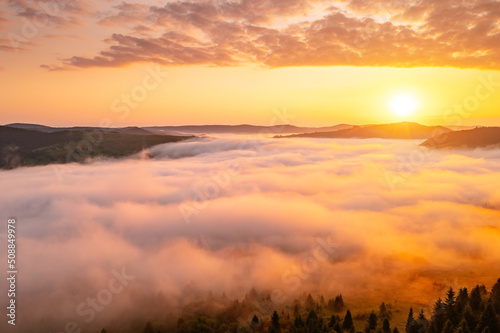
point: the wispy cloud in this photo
(298, 33)
(61, 13)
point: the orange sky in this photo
(235, 61)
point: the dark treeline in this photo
(477, 311)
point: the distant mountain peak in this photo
(479, 137)
(400, 130)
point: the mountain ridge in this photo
(193, 129)
(479, 137)
(401, 130)
(23, 147)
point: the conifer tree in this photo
(312, 322)
(296, 311)
(310, 304)
(438, 318)
(475, 299)
(384, 312)
(423, 323)
(255, 321)
(333, 321)
(386, 326)
(409, 321)
(464, 326)
(462, 300)
(347, 324)
(338, 303)
(298, 322)
(488, 319)
(372, 322)
(275, 323)
(448, 327)
(449, 308)
(495, 297)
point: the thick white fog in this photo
(371, 219)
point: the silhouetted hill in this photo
(474, 138)
(191, 129)
(404, 130)
(243, 129)
(22, 147)
(134, 130)
(33, 127)
(48, 129)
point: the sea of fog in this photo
(371, 219)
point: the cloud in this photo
(298, 33)
(257, 210)
(61, 13)
(4, 22)
(126, 13)
(27, 18)
(13, 45)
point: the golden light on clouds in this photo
(230, 58)
(441, 222)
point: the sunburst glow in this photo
(403, 104)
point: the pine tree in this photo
(462, 300)
(386, 326)
(448, 327)
(298, 322)
(409, 321)
(438, 318)
(383, 312)
(495, 297)
(475, 299)
(255, 322)
(312, 322)
(296, 311)
(450, 297)
(423, 323)
(337, 328)
(488, 319)
(347, 324)
(449, 308)
(275, 323)
(333, 321)
(470, 319)
(372, 322)
(310, 304)
(338, 304)
(464, 326)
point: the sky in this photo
(231, 213)
(75, 62)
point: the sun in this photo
(403, 104)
